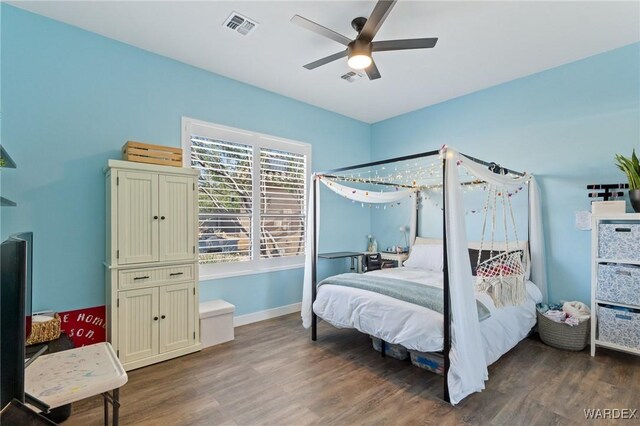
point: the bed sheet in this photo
(418, 328)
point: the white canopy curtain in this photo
(367, 196)
(310, 250)
(468, 369)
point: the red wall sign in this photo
(84, 326)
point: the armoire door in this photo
(177, 238)
(177, 324)
(137, 217)
(138, 324)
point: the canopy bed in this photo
(433, 307)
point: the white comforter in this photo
(418, 328)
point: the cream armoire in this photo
(152, 262)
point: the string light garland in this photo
(423, 177)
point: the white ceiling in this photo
(481, 44)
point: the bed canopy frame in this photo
(447, 162)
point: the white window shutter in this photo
(282, 203)
(225, 197)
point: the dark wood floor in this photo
(273, 374)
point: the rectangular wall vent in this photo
(351, 76)
(240, 23)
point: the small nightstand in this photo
(398, 258)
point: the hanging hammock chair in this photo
(501, 276)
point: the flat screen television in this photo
(28, 238)
(13, 289)
(16, 271)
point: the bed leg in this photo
(383, 348)
(314, 327)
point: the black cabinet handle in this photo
(155, 318)
(155, 217)
(162, 217)
(163, 317)
(623, 229)
(141, 278)
(176, 273)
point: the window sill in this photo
(208, 275)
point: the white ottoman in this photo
(216, 322)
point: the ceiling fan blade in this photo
(379, 14)
(372, 71)
(413, 43)
(319, 29)
(326, 60)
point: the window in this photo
(251, 198)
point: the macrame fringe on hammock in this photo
(501, 276)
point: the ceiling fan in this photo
(360, 49)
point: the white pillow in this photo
(426, 256)
(422, 240)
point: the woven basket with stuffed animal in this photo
(565, 334)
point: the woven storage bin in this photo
(563, 336)
(619, 326)
(619, 283)
(619, 241)
(152, 154)
(394, 351)
(44, 331)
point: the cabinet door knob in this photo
(162, 217)
(163, 317)
(155, 318)
(155, 217)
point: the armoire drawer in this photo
(143, 277)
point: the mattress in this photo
(418, 328)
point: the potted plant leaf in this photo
(631, 167)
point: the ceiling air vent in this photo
(240, 24)
(351, 76)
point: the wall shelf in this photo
(7, 203)
(6, 162)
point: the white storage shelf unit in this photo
(615, 283)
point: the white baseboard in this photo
(267, 314)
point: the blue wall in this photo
(71, 98)
(564, 125)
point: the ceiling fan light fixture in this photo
(359, 62)
(359, 53)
